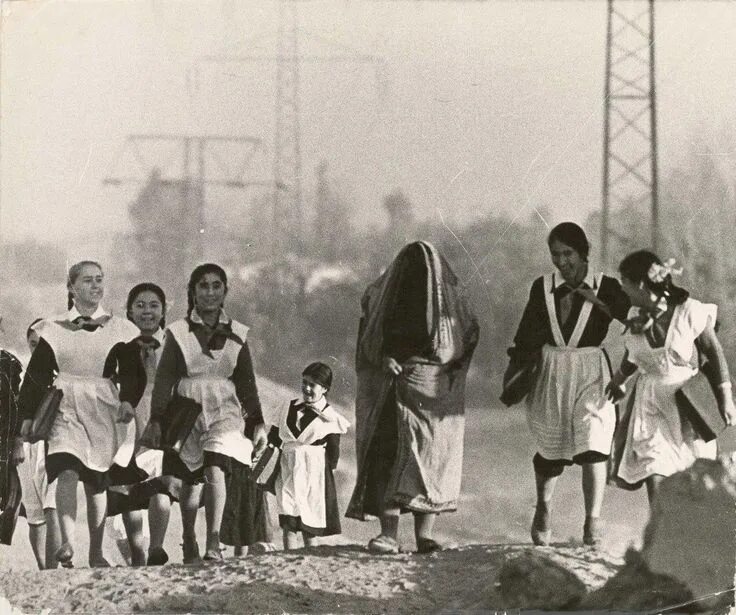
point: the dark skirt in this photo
(174, 466)
(246, 519)
(57, 463)
(332, 513)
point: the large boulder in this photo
(689, 554)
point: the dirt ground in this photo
(327, 579)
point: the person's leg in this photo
(309, 539)
(133, 521)
(189, 505)
(291, 540)
(66, 508)
(390, 523)
(96, 512)
(37, 538)
(594, 486)
(214, 506)
(240, 551)
(653, 483)
(53, 537)
(159, 512)
(546, 473)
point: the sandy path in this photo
(338, 579)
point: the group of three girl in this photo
(570, 403)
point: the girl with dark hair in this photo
(142, 484)
(562, 328)
(93, 427)
(206, 359)
(416, 339)
(668, 332)
(11, 445)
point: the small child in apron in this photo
(308, 433)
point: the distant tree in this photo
(332, 230)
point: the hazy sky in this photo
(476, 106)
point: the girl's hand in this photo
(18, 452)
(615, 392)
(126, 412)
(151, 437)
(729, 410)
(391, 366)
(260, 439)
(25, 429)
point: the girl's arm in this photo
(615, 389)
(124, 366)
(710, 346)
(171, 368)
(39, 376)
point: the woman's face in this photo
(209, 293)
(33, 340)
(568, 261)
(147, 312)
(89, 287)
(636, 292)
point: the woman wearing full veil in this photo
(415, 342)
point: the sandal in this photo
(541, 533)
(213, 555)
(428, 545)
(384, 545)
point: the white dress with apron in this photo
(219, 429)
(300, 486)
(567, 410)
(86, 425)
(657, 441)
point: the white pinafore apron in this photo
(300, 486)
(657, 441)
(86, 425)
(219, 429)
(567, 411)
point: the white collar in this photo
(159, 335)
(195, 317)
(558, 280)
(319, 405)
(74, 313)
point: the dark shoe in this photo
(541, 532)
(157, 557)
(259, 548)
(384, 545)
(593, 532)
(191, 552)
(99, 563)
(64, 555)
(428, 545)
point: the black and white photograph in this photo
(367, 306)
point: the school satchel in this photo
(697, 402)
(181, 413)
(45, 414)
(518, 382)
(266, 469)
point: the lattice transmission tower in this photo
(630, 120)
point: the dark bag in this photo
(697, 403)
(10, 507)
(181, 415)
(518, 382)
(267, 467)
(45, 415)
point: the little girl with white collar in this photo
(308, 434)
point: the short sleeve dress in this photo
(657, 441)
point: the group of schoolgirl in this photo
(125, 382)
